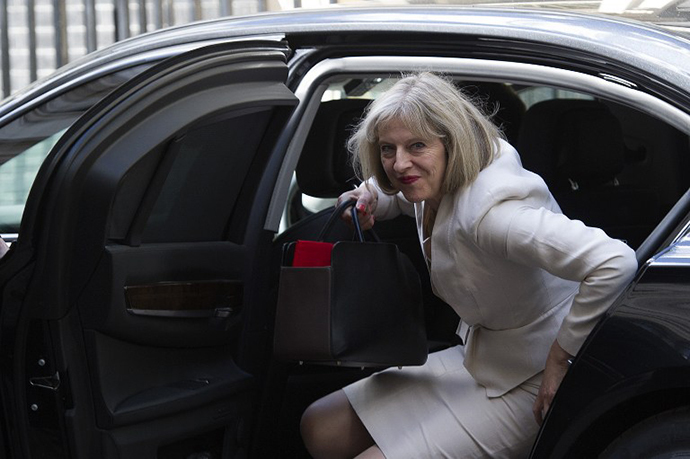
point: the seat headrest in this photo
(570, 141)
(324, 169)
(500, 96)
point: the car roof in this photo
(643, 46)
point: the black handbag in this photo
(364, 309)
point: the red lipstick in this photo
(408, 179)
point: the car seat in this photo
(577, 147)
(503, 100)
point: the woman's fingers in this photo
(365, 205)
(557, 363)
(366, 221)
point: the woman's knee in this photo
(311, 423)
(330, 428)
(319, 425)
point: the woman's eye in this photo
(418, 145)
(387, 150)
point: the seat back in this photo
(501, 98)
(577, 147)
(324, 169)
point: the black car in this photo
(148, 189)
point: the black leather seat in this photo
(502, 98)
(324, 169)
(577, 147)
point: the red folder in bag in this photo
(312, 253)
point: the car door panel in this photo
(189, 308)
(139, 226)
(181, 301)
(166, 382)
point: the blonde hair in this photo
(429, 106)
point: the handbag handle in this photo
(355, 220)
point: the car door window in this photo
(634, 187)
(16, 177)
(534, 94)
(27, 139)
(505, 101)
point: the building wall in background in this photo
(39, 36)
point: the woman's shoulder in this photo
(503, 180)
(507, 164)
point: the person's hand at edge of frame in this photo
(3, 247)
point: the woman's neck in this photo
(430, 211)
(433, 203)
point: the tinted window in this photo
(26, 140)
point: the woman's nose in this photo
(402, 160)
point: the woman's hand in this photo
(367, 199)
(557, 363)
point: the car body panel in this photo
(634, 364)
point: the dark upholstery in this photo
(501, 98)
(577, 146)
(590, 146)
(324, 169)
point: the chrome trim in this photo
(683, 235)
(314, 82)
(677, 255)
(619, 80)
(9, 238)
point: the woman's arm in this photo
(568, 249)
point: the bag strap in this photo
(355, 221)
(328, 226)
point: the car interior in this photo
(609, 165)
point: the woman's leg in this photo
(331, 429)
(372, 452)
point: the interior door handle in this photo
(224, 313)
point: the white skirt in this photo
(439, 411)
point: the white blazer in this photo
(516, 270)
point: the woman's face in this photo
(415, 166)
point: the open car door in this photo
(127, 299)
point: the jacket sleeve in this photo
(389, 205)
(567, 249)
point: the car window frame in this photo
(315, 82)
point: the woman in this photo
(528, 283)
